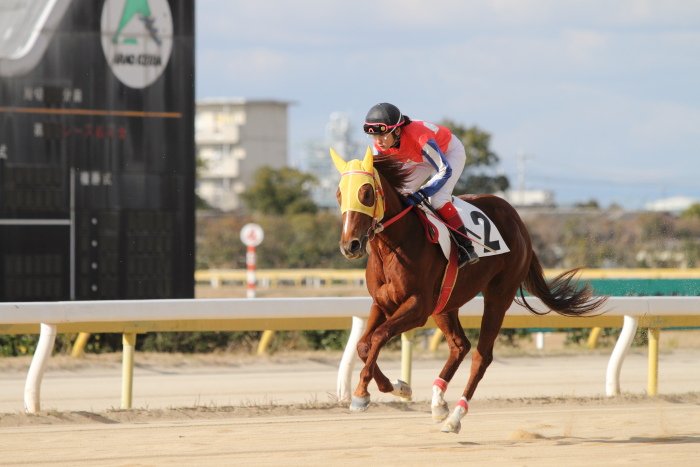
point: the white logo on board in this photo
(137, 39)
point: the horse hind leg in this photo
(495, 306)
(459, 346)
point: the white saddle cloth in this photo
(480, 229)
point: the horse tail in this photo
(562, 294)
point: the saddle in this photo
(483, 234)
(482, 231)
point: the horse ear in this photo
(368, 162)
(339, 163)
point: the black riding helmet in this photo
(383, 118)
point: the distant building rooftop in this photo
(238, 101)
(674, 204)
(527, 198)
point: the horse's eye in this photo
(366, 195)
(339, 196)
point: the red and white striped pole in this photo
(251, 235)
(250, 276)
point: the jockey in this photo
(427, 148)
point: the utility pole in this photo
(522, 159)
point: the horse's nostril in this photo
(355, 246)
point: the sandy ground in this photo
(571, 433)
(534, 407)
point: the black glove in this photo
(414, 199)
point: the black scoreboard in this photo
(97, 155)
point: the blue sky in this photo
(602, 96)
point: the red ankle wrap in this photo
(464, 404)
(440, 383)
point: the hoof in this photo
(402, 389)
(440, 412)
(451, 426)
(359, 404)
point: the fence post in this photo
(32, 388)
(435, 340)
(407, 357)
(593, 337)
(653, 379)
(612, 378)
(349, 355)
(129, 343)
(79, 345)
(265, 341)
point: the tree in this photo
(693, 212)
(280, 192)
(591, 204)
(480, 158)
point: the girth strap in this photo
(448, 280)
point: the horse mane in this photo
(396, 173)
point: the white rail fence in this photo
(132, 317)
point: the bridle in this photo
(353, 176)
(379, 204)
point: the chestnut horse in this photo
(405, 271)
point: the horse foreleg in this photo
(361, 398)
(459, 346)
(369, 348)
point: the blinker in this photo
(354, 175)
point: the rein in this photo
(381, 227)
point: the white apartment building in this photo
(234, 137)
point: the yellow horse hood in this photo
(354, 175)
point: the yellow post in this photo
(407, 356)
(436, 339)
(593, 337)
(79, 344)
(653, 381)
(265, 341)
(129, 343)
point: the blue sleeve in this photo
(431, 151)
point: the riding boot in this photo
(467, 255)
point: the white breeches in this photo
(456, 157)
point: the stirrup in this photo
(467, 256)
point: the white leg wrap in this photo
(438, 397)
(454, 422)
(438, 406)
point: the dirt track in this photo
(527, 433)
(530, 410)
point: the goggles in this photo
(379, 128)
